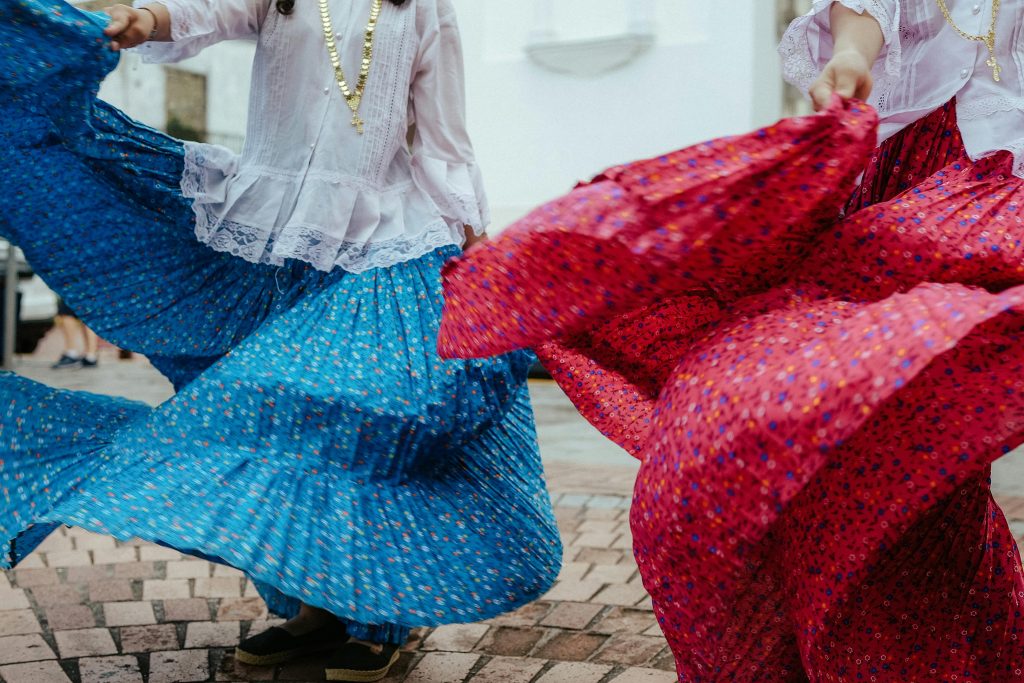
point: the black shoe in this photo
(277, 646)
(86, 363)
(358, 663)
(65, 362)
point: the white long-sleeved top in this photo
(925, 64)
(307, 186)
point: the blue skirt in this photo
(316, 441)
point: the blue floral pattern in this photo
(317, 441)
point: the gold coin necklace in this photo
(353, 99)
(989, 39)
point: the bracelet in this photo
(156, 22)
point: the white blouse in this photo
(307, 186)
(925, 63)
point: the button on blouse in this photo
(307, 185)
(925, 64)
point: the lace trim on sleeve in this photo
(457, 189)
(802, 61)
(470, 212)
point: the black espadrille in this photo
(277, 646)
(358, 663)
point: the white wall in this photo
(139, 89)
(711, 72)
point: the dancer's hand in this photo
(129, 27)
(473, 239)
(848, 73)
(858, 41)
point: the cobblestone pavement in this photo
(86, 608)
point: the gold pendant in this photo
(996, 69)
(352, 98)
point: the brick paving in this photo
(172, 619)
(86, 608)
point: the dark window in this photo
(186, 105)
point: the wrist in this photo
(146, 14)
(852, 55)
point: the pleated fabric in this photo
(316, 441)
(815, 405)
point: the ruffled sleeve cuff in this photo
(807, 45)
(457, 189)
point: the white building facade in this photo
(557, 89)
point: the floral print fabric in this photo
(813, 499)
(316, 440)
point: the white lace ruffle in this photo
(456, 188)
(368, 229)
(972, 110)
(324, 252)
(975, 118)
(802, 56)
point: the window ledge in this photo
(591, 57)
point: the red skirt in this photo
(813, 502)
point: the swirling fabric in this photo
(316, 441)
(815, 401)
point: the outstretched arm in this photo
(858, 41)
(130, 26)
(173, 30)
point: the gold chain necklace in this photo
(353, 99)
(989, 38)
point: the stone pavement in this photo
(85, 608)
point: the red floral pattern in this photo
(816, 404)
